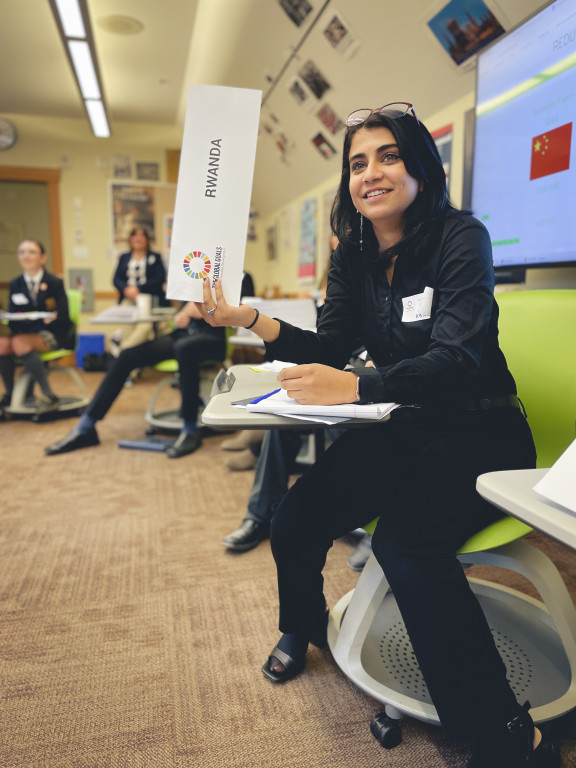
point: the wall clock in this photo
(8, 133)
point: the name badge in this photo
(19, 299)
(417, 307)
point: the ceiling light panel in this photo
(97, 117)
(71, 18)
(84, 67)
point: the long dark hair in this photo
(420, 155)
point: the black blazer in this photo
(155, 276)
(51, 298)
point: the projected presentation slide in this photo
(524, 177)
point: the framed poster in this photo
(443, 139)
(81, 280)
(139, 205)
(463, 27)
(308, 235)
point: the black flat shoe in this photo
(516, 750)
(247, 536)
(184, 445)
(292, 667)
(73, 441)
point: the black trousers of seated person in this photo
(418, 473)
(189, 349)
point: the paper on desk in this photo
(275, 366)
(558, 483)
(118, 312)
(280, 403)
(25, 315)
(213, 194)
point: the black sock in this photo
(35, 367)
(7, 372)
(293, 644)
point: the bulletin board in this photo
(146, 205)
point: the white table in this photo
(121, 314)
(512, 491)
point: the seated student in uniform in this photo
(413, 277)
(192, 342)
(36, 290)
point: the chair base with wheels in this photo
(23, 403)
(537, 639)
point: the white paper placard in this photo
(213, 193)
(559, 483)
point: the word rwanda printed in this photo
(213, 168)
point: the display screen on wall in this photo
(524, 169)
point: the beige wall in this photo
(86, 165)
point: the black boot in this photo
(513, 747)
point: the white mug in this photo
(144, 304)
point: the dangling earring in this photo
(361, 230)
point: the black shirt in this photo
(448, 353)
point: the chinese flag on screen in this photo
(551, 152)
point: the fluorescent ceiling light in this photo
(71, 18)
(97, 117)
(73, 21)
(84, 67)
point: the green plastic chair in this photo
(21, 403)
(538, 337)
(537, 638)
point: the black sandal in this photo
(292, 667)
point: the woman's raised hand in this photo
(216, 311)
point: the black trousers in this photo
(417, 472)
(190, 349)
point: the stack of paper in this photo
(279, 403)
(25, 315)
(558, 483)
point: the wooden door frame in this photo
(50, 177)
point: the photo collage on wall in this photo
(309, 86)
(270, 125)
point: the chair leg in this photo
(23, 391)
(533, 564)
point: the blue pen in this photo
(263, 397)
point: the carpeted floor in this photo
(129, 638)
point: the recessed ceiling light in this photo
(120, 25)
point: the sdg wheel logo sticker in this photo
(197, 265)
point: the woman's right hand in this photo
(225, 313)
(130, 292)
